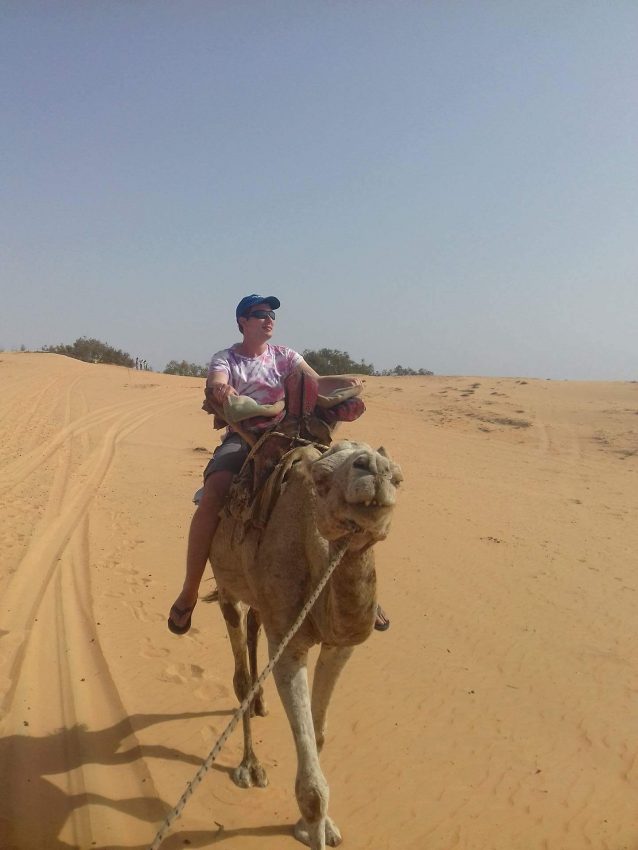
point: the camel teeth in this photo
(367, 503)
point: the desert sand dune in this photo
(497, 713)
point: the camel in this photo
(266, 575)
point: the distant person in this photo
(253, 368)
(137, 362)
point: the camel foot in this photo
(258, 707)
(333, 836)
(250, 774)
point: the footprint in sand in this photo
(139, 612)
(132, 580)
(118, 567)
(203, 694)
(179, 674)
(152, 651)
(212, 693)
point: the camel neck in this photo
(350, 601)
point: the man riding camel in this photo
(256, 369)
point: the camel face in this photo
(356, 486)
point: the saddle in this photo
(276, 434)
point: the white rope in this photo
(245, 705)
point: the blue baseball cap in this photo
(250, 300)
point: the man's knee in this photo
(216, 489)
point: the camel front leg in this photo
(311, 788)
(253, 628)
(249, 772)
(331, 661)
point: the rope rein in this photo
(245, 705)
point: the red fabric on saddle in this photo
(301, 394)
(347, 411)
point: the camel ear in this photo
(397, 474)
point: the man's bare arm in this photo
(217, 382)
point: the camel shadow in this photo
(28, 761)
(209, 838)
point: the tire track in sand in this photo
(25, 421)
(30, 413)
(29, 584)
(52, 627)
(15, 473)
(87, 752)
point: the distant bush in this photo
(189, 370)
(403, 370)
(328, 361)
(92, 351)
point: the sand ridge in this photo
(498, 711)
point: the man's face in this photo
(257, 325)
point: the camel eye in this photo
(361, 462)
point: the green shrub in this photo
(92, 351)
(191, 370)
(328, 361)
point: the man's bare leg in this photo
(203, 526)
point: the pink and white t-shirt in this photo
(261, 378)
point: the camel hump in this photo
(257, 488)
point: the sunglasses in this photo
(262, 314)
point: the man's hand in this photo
(220, 392)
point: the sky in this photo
(442, 185)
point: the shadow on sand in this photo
(210, 838)
(34, 811)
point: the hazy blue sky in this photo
(448, 185)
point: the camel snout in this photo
(372, 491)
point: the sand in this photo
(497, 713)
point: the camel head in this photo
(356, 488)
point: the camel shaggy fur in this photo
(268, 575)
